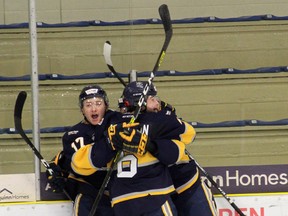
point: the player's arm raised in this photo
(170, 147)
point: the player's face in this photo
(153, 104)
(94, 110)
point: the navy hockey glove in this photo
(114, 138)
(57, 180)
(168, 107)
(126, 137)
(134, 141)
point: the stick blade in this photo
(107, 53)
(107, 56)
(165, 17)
(18, 109)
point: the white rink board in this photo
(264, 205)
(55, 208)
(270, 205)
(17, 188)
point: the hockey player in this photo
(192, 197)
(94, 103)
(167, 138)
(142, 184)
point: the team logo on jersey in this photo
(73, 132)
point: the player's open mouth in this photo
(94, 116)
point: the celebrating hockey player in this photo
(142, 184)
(192, 197)
(144, 192)
(83, 188)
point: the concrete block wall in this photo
(78, 50)
(207, 101)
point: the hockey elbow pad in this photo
(152, 148)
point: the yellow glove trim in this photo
(129, 125)
(126, 137)
(111, 133)
(142, 144)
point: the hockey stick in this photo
(107, 55)
(215, 185)
(166, 21)
(18, 126)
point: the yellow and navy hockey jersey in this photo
(143, 183)
(185, 174)
(140, 183)
(79, 136)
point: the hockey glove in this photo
(126, 137)
(134, 141)
(167, 107)
(114, 138)
(57, 180)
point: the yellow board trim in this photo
(34, 202)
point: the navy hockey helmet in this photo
(132, 94)
(92, 91)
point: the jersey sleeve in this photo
(168, 151)
(188, 135)
(90, 158)
(170, 138)
(81, 163)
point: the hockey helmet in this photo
(92, 91)
(133, 92)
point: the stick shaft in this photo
(236, 208)
(21, 98)
(166, 20)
